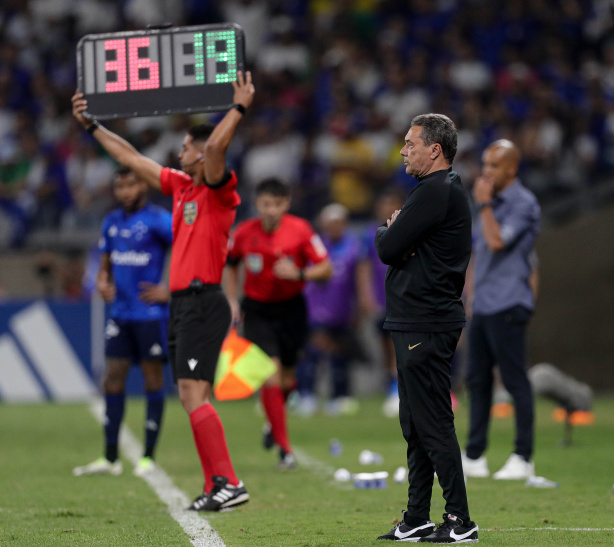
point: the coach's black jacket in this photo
(427, 249)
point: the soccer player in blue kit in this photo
(135, 239)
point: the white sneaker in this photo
(515, 468)
(390, 408)
(101, 466)
(475, 468)
(342, 406)
(145, 466)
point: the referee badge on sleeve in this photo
(190, 212)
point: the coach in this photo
(427, 246)
(503, 302)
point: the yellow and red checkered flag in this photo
(241, 369)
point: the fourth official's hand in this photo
(285, 268)
(243, 89)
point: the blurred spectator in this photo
(404, 96)
(47, 195)
(284, 51)
(254, 17)
(13, 192)
(351, 160)
(89, 176)
(275, 150)
(339, 81)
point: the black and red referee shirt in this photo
(294, 238)
(202, 218)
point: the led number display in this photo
(160, 71)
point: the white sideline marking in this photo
(326, 471)
(195, 526)
(549, 528)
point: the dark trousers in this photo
(499, 339)
(427, 420)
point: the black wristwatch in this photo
(91, 128)
(242, 110)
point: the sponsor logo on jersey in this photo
(190, 212)
(254, 263)
(139, 230)
(130, 258)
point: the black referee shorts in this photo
(198, 324)
(278, 328)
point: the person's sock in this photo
(114, 414)
(153, 420)
(339, 376)
(275, 408)
(211, 445)
(307, 369)
(196, 418)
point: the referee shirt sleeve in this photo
(424, 209)
(314, 248)
(234, 247)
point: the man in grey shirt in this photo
(504, 239)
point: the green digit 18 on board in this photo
(160, 71)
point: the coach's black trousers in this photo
(427, 420)
(499, 339)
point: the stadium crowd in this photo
(338, 80)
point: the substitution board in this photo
(162, 71)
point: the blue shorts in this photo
(136, 340)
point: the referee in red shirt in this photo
(204, 209)
(280, 252)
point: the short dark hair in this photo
(201, 132)
(273, 186)
(437, 128)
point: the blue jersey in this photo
(136, 244)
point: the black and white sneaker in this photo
(453, 530)
(405, 532)
(199, 502)
(287, 461)
(224, 495)
(267, 437)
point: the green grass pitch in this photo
(41, 503)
